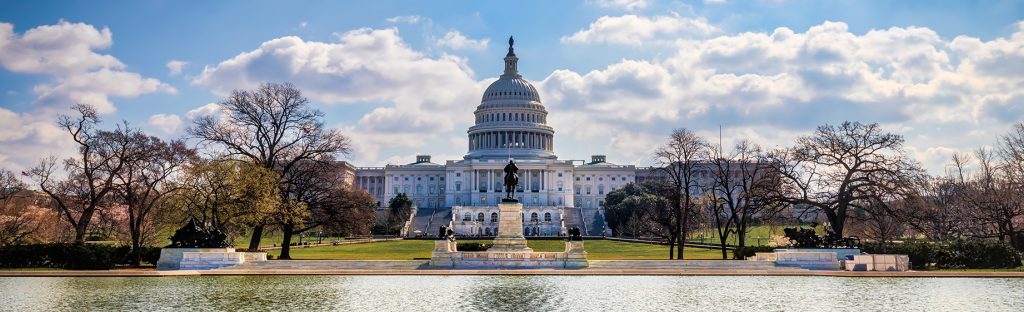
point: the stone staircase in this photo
(571, 217)
(421, 222)
(594, 221)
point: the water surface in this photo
(509, 293)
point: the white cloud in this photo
(630, 5)
(174, 67)
(943, 95)
(406, 19)
(456, 41)
(303, 24)
(65, 54)
(210, 109)
(636, 30)
(168, 123)
(427, 95)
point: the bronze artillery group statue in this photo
(511, 181)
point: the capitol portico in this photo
(510, 122)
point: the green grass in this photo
(759, 235)
(271, 239)
(409, 249)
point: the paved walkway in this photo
(420, 267)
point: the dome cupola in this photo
(511, 121)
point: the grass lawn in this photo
(270, 239)
(759, 235)
(409, 249)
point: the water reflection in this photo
(508, 293)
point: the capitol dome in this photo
(510, 120)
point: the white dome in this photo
(511, 88)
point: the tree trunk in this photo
(80, 233)
(682, 232)
(257, 235)
(286, 242)
(671, 247)
(136, 253)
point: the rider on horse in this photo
(511, 180)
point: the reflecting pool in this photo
(509, 293)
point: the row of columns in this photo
(525, 179)
(500, 139)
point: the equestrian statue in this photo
(511, 181)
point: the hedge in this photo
(71, 256)
(473, 247)
(958, 254)
(749, 251)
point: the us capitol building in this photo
(510, 122)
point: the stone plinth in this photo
(204, 258)
(574, 257)
(808, 260)
(444, 251)
(891, 263)
(510, 229)
(841, 253)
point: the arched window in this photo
(480, 217)
(533, 217)
(547, 217)
(467, 217)
(494, 217)
(458, 200)
(487, 231)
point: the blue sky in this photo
(616, 75)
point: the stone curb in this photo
(580, 272)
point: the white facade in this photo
(511, 122)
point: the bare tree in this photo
(316, 198)
(845, 167)
(273, 127)
(742, 189)
(679, 159)
(89, 175)
(993, 199)
(936, 208)
(145, 180)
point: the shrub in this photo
(749, 251)
(959, 254)
(473, 247)
(72, 256)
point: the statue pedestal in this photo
(510, 229)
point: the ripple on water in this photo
(509, 293)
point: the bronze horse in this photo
(511, 180)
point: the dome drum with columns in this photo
(510, 122)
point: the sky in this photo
(402, 78)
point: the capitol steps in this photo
(572, 217)
(594, 220)
(421, 221)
